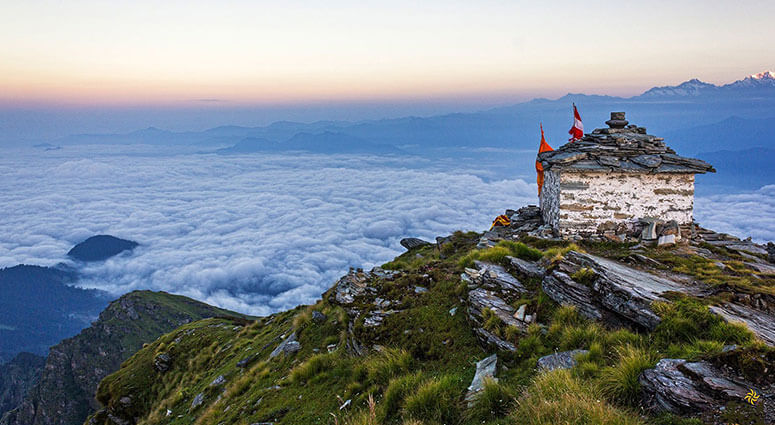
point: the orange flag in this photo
(544, 147)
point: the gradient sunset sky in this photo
(105, 66)
(247, 52)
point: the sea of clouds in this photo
(260, 233)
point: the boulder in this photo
(412, 243)
(198, 400)
(563, 360)
(485, 368)
(665, 240)
(771, 252)
(245, 362)
(481, 299)
(491, 340)
(649, 232)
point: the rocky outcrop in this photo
(491, 288)
(17, 377)
(358, 289)
(352, 285)
(496, 278)
(526, 220)
(683, 387)
(527, 268)
(64, 394)
(609, 291)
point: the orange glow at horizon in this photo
(245, 52)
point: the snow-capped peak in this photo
(762, 79)
(693, 87)
(764, 75)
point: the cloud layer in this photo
(251, 233)
(260, 233)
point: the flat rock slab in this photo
(481, 299)
(563, 360)
(759, 322)
(683, 387)
(489, 339)
(288, 346)
(495, 277)
(613, 289)
(527, 268)
(485, 368)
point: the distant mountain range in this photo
(693, 116)
(694, 87)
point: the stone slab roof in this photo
(623, 148)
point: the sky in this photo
(184, 54)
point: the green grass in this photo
(387, 364)
(558, 397)
(687, 320)
(395, 395)
(495, 401)
(435, 400)
(499, 252)
(620, 381)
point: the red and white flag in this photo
(577, 131)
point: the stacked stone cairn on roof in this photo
(621, 147)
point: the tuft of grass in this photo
(496, 254)
(389, 363)
(567, 315)
(584, 276)
(558, 253)
(395, 395)
(620, 381)
(557, 397)
(313, 367)
(520, 250)
(363, 417)
(494, 401)
(499, 252)
(686, 320)
(436, 400)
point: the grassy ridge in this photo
(421, 359)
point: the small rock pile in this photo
(621, 147)
(357, 293)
